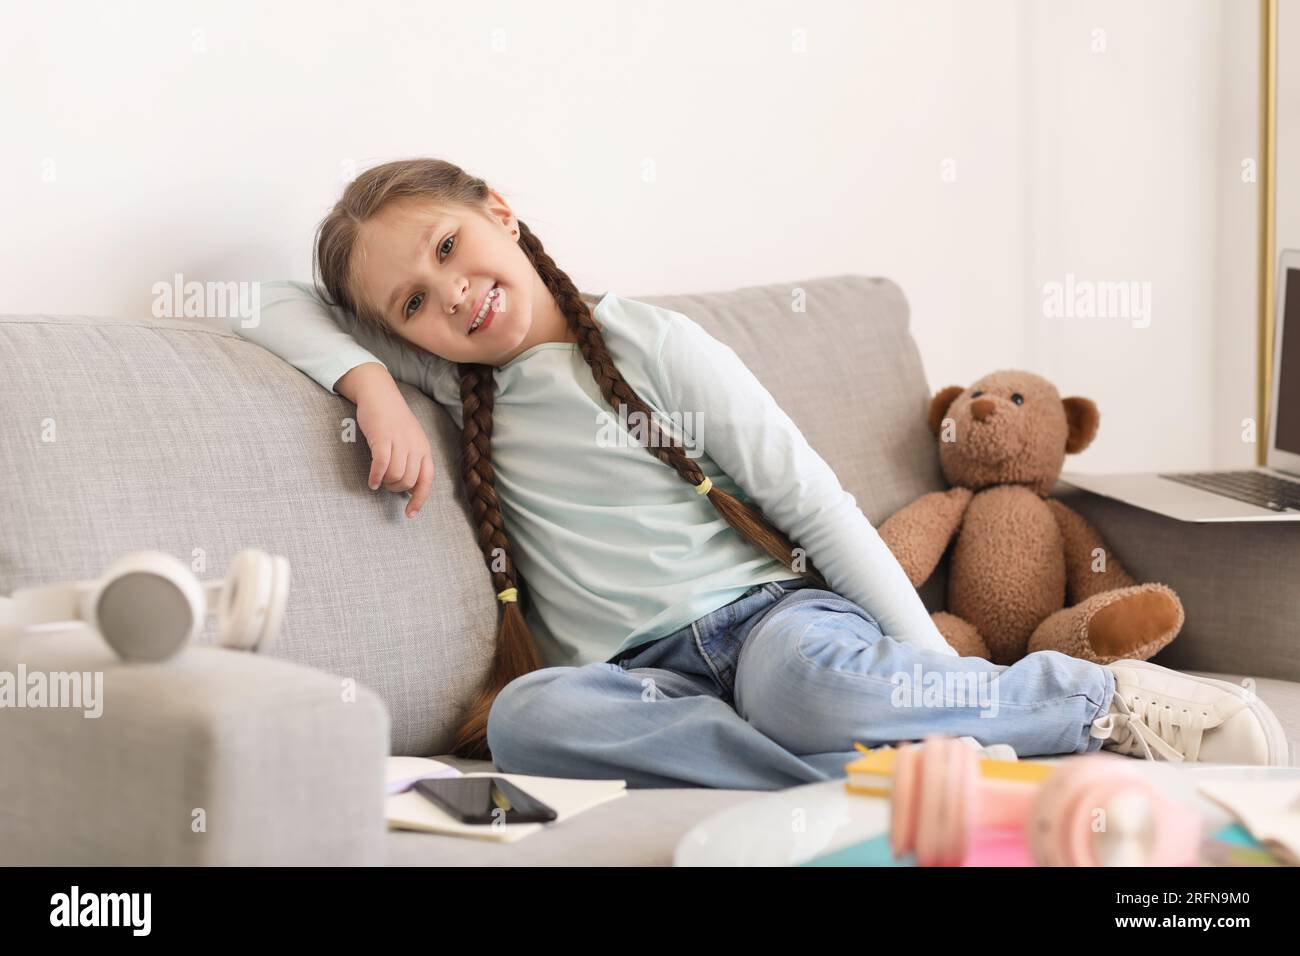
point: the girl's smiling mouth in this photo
(483, 316)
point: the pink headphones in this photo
(1093, 810)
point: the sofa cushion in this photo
(179, 435)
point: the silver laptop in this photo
(1271, 493)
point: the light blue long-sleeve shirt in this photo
(615, 548)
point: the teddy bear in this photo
(1026, 573)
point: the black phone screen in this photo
(484, 800)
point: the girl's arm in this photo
(362, 380)
(328, 343)
(760, 448)
(294, 323)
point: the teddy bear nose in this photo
(981, 408)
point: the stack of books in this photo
(870, 774)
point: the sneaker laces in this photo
(1148, 727)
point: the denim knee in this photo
(788, 665)
(516, 718)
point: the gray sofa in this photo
(179, 435)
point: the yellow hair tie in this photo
(704, 486)
(509, 594)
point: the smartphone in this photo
(484, 800)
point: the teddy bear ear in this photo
(939, 406)
(1083, 418)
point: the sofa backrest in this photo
(178, 435)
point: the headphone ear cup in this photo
(148, 606)
(278, 601)
(1046, 818)
(933, 801)
(949, 778)
(931, 795)
(253, 600)
(245, 600)
(1063, 821)
(903, 800)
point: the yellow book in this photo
(870, 774)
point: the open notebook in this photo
(405, 809)
(1269, 810)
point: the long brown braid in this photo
(516, 649)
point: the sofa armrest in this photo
(215, 757)
(1239, 583)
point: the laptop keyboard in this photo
(1253, 487)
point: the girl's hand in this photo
(399, 450)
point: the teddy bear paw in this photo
(1134, 623)
(961, 635)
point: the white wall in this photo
(1132, 166)
(1288, 125)
(1237, 302)
(970, 150)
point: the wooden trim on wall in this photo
(1267, 224)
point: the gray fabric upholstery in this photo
(178, 435)
(1242, 616)
(214, 757)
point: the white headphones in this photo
(148, 605)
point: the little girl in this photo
(674, 634)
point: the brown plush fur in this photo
(1026, 573)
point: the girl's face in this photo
(428, 269)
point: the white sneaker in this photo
(1160, 714)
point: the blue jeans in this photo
(771, 691)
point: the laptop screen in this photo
(1288, 373)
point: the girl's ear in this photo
(939, 406)
(1083, 418)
